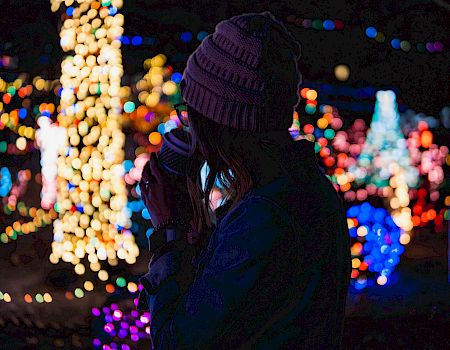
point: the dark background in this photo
(421, 78)
(410, 314)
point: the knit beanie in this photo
(245, 74)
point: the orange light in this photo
(363, 266)
(303, 92)
(431, 214)
(328, 117)
(424, 217)
(426, 139)
(28, 298)
(415, 220)
(355, 273)
(155, 138)
(346, 187)
(110, 288)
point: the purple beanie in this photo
(245, 74)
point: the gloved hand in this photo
(165, 195)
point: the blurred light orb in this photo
(342, 72)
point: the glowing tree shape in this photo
(385, 161)
(93, 217)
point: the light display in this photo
(376, 245)
(385, 161)
(404, 45)
(50, 139)
(91, 202)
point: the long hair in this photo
(233, 157)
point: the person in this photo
(276, 268)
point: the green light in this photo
(128, 107)
(1, 296)
(11, 90)
(317, 147)
(4, 237)
(329, 134)
(121, 282)
(39, 298)
(3, 146)
(310, 109)
(421, 47)
(317, 24)
(79, 293)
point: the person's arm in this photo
(251, 245)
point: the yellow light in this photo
(342, 72)
(381, 280)
(311, 94)
(89, 286)
(322, 122)
(405, 238)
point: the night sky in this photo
(28, 27)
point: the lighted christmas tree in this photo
(385, 161)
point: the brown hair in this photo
(230, 155)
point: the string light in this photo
(93, 217)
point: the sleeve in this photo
(229, 284)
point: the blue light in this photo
(381, 248)
(69, 11)
(112, 10)
(22, 113)
(201, 35)
(145, 214)
(176, 77)
(149, 232)
(328, 24)
(371, 32)
(161, 128)
(186, 36)
(395, 43)
(137, 40)
(125, 40)
(127, 165)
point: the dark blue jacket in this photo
(274, 276)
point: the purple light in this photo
(145, 319)
(114, 307)
(108, 318)
(134, 337)
(149, 116)
(106, 310)
(113, 333)
(438, 46)
(114, 345)
(430, 47)
(125, 347)
(106, 347)
(140, 286)
(124, 325)
(133, 329)
(123, 333)
(135, 301)
(139, 323)
(95, 311)
(96, 342)
(109, 327)
(117, 315)
(134, 313)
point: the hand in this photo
(165, 195)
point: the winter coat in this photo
(274, 276)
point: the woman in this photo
(276, 269)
